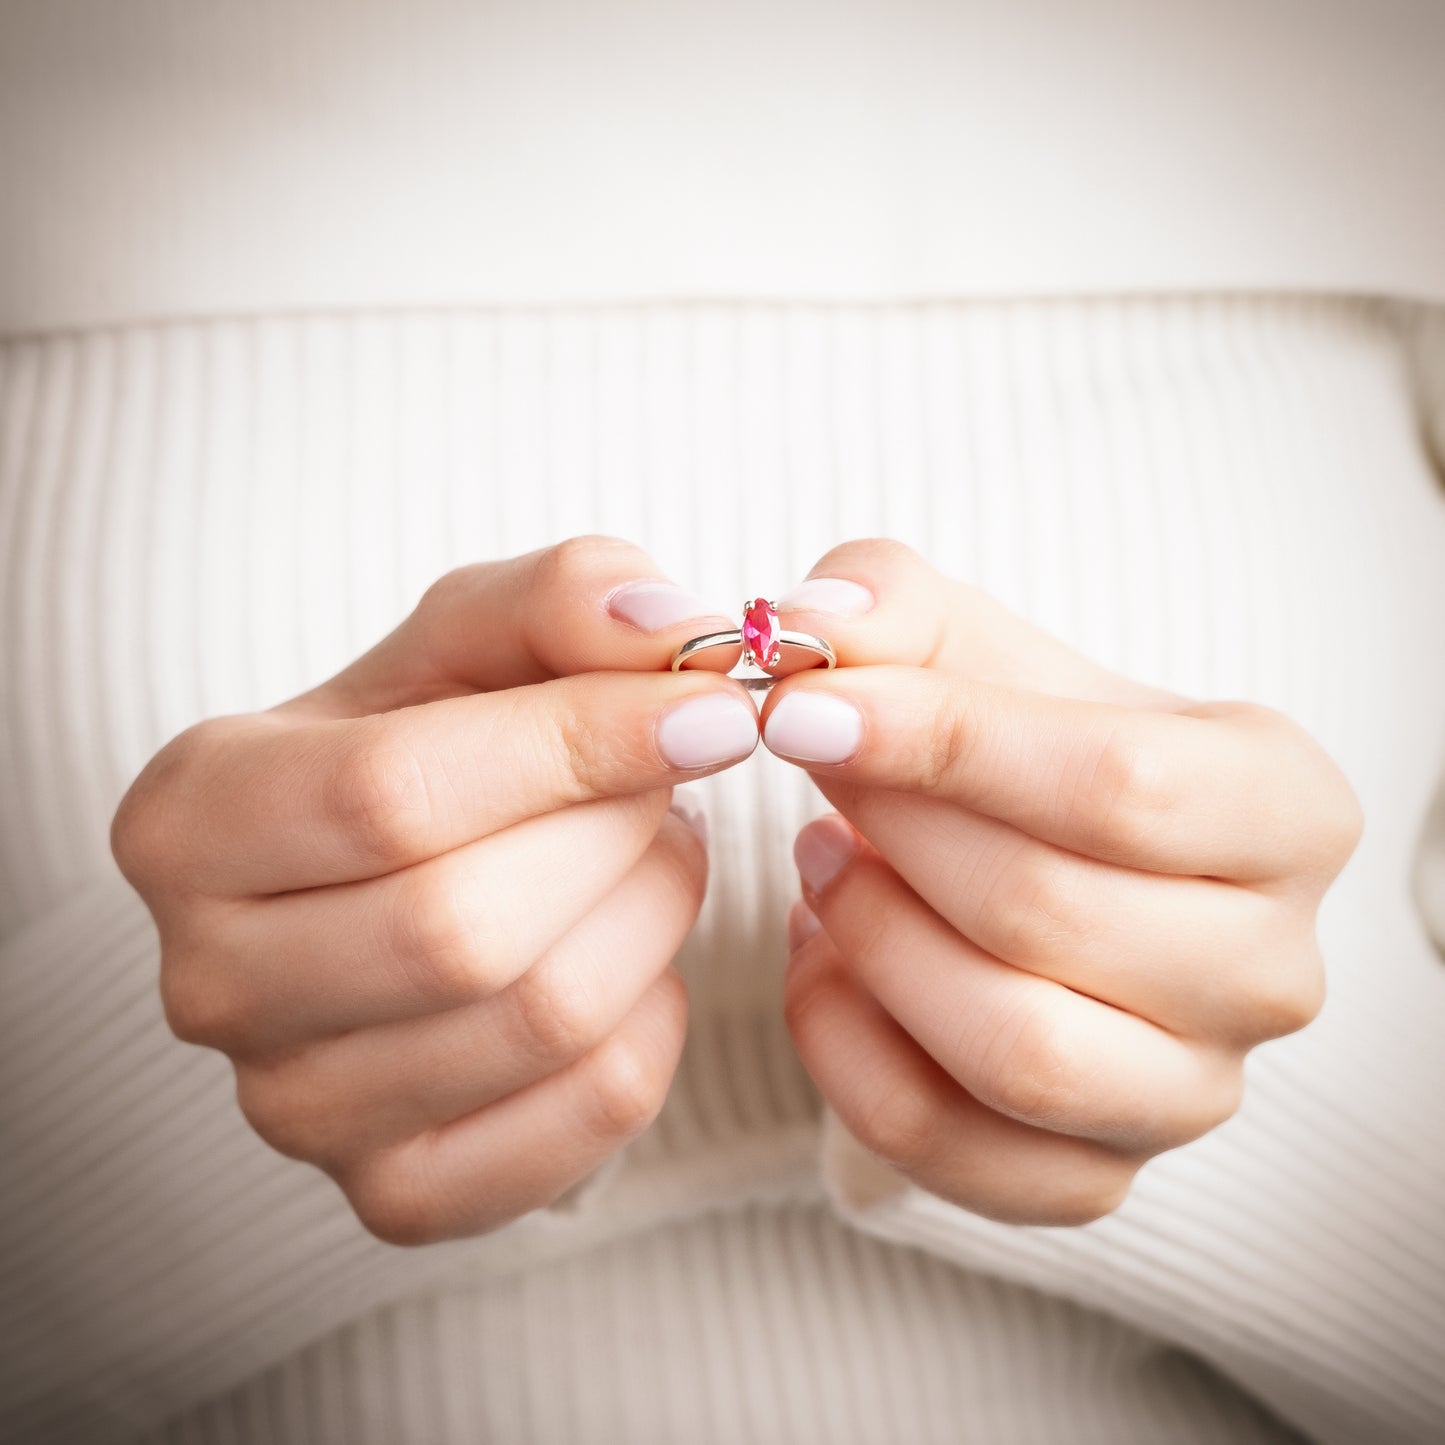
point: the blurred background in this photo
(181, 157)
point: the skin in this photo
(429, 908)
(443, 971)
(1073, 905)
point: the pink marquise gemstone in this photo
(760, 633)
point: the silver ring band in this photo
(733, 637)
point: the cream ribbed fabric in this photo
(760, 1324)
(1229, 496)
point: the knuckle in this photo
(1035, 916)
(887, 552)
(562, 1017)
(1337, 818)
(1352, 820)
(628, 1088)
(1339, 826)
(378, 796)
(806, 994)
(451, 590)
(580, 754)
(669, 995)
(1285, 1000)
(392, 1201)
(1030, 1069)
(1087, 1201)
(1073, 1195)
(901, 1124)
(1213, 1098)
(1224, 1100)
(140, 832)
(199, 1006)
(949, 740)
(1129, 794)
(575, 561)
(148, 833)
(437, 940)
(271, 1106)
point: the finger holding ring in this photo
(766, 646)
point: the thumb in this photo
(587, 604)
(877, 600)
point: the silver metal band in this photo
(734, 638)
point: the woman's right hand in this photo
(429, 908)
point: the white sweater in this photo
(1229, 497)
(209, 500)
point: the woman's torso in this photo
(1225, 496)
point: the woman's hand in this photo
(1062, 907)
(429, 908)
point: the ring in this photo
(762, 642)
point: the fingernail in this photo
(822, 849)
(814, 727)
(701, 732)
(829, 594)
(803, 923)
(655, 605)
(688, 807)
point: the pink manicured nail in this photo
(822, 849)
(686, 805)
(803, 923)
(701, 732)
(828, 594)
(655, 605)
(814, 727)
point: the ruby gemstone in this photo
(760, 633)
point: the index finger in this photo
(266, 804)
(1225, 789)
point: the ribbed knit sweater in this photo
(1228, 496)
(294, 298)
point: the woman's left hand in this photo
(1058, 908)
